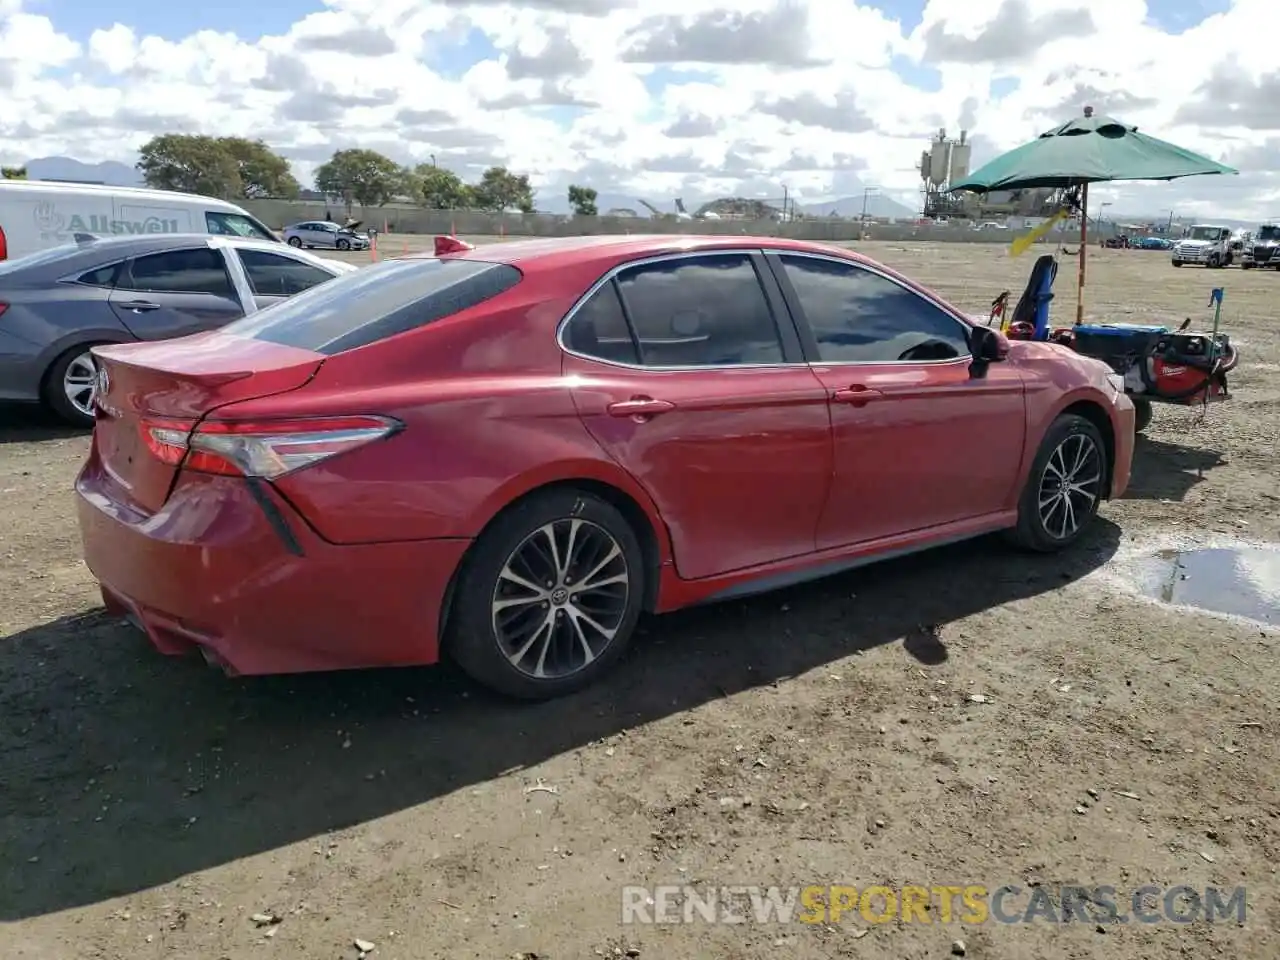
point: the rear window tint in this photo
(377, 302)
(39, 258)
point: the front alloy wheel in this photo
(548, 597)
(1065, 486)
(1069, 486)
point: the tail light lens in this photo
(267, 449)
(3, 306)
(4, 245)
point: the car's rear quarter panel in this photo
(487, 417)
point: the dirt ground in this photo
(967, 717)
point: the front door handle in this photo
(140, 306)
(856, 396)
(640, 408)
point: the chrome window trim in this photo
(750, 252)
(937, 305)
(663, 258)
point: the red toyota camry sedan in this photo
(506, 454)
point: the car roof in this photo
(102, 250)
(138, 193)
(555, 252)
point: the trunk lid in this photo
(173, 384)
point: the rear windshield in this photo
(38, 258)
(376, 302)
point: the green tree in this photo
(583, 201)
(190, 164)
(13, 173)
(441, 189)
(500, 189)
(365, 176)
(263, 172)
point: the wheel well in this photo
(625, 505)
(1094, 413)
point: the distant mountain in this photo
(876, 206)
(64, 168)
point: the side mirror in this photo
(987, 345)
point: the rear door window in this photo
(197, 270)
(599, 329)
(701, 311)
(102, 276)
(376, 302)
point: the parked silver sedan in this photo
(58, 303)
(326, 235)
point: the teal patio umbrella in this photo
(1090, 149)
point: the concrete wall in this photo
(415, 220)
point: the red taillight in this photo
(4, 245)
(266, 448)
(3, 306)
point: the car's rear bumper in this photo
(1123, 420)
(236, 574)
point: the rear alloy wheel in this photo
(70, 386)
(344, 244)
(295, 242)
(549, 598)
(1065, 486)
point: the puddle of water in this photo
(1238, 581)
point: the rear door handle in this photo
(856, 396)
(140, 306)
(640, 407)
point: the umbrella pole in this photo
(1084, 244)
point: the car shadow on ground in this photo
(29, 423)
(124, 769)
(1167, 471)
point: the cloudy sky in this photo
(655, 98)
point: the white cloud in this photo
(665, 97)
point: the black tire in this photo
(295, 242)
(53, 392)
(1031, 532)
(1246, 266)
(344, 244)
(1141, 414)
(472, 635)
(1214, 262)
(1177, 263)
